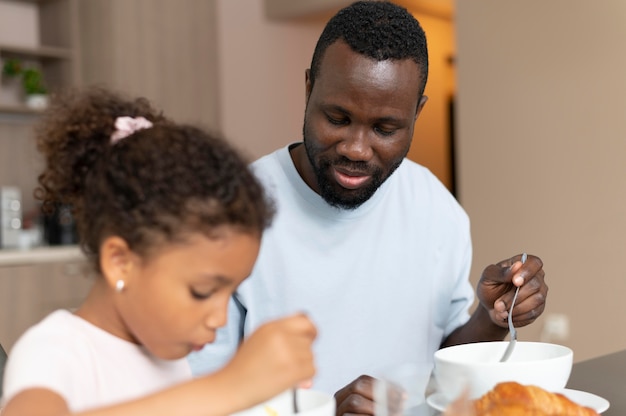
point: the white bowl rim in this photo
(563, 351)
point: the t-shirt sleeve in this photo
(463, 292)
(42, 359)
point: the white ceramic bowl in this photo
(310, 403)
(476, 367)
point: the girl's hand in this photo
(276, 357)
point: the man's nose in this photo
(356, 146)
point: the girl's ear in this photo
(116, 261)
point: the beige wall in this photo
(261, 72)
(160, 49)
(541, 132)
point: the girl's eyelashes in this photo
(201, 295)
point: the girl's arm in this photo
(276, 357)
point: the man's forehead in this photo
(340, 60)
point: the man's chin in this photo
(344, 202)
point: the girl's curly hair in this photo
(157, 185)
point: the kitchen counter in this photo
(50, 254)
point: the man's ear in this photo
(116, 261)
(307, 85)
(420, 106)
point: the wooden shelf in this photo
(48, 254)
(18, 109)
(43, 52)
(33, 1)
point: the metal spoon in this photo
(513, 341)
(294, 396)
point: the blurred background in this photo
(525, 124)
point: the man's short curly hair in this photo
(380, 30)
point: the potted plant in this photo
(12, 68)
(12, 90)
(33, 85)
(34, 88)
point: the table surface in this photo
(604, 376)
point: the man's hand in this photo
(357, 397)
(497, 285)
(495, 292)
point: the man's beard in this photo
(333, 193)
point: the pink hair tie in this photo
(125, 126)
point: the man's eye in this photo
(201, 295)
(384, 132)
(337, 121)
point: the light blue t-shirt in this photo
(384, 283)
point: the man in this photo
(370, 244)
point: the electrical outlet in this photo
(555, 327)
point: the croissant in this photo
(514, 399)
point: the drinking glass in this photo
(400, 390)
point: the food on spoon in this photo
(270, 411)
(515, 399)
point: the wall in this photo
(261, 72)
(541, 127)
(19, 24)
(160, 49)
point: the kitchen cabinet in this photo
(53, 47)
(53, 279)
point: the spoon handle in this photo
(512, 330)
(294, 396)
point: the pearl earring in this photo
(119, 286)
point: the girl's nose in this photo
(217, 316)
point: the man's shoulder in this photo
(417, 183)
(269, 161)
(418, 176)
(273, 168)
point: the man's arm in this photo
(478, 328)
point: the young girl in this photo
(171, 219)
